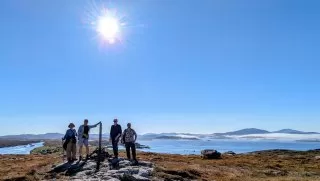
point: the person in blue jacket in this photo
(71, 143)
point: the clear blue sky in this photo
(186, 66)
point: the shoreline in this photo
(140, 147)
(13, 143)
(36, 151)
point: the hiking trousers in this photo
(133, 149)
(71, 151)
(115, 147)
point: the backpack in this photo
(73, 139)
(65, 145)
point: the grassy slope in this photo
(273, 165)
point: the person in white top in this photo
(83, 137)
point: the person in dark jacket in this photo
(129, 138)
(71, 142)
(115, 135)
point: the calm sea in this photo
(237, 146)
(20, 150)
(195, 146)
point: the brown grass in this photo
(269, 165)
(25, 167)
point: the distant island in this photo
(310, 140)
(176, 138)
(249, 131)
(245, 132)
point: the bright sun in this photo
(109, 28)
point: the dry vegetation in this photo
(266, 165)
(25, 167)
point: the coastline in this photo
(11, 143)
(260, 165)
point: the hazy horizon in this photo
(106, 131)
(199, 67)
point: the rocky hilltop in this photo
(140, 172)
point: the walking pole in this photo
(99, 149)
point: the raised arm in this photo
(93, 126)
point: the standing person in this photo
(83, 137)
(129, 138)
(71, 143)
(115, 135)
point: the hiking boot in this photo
(80, 158)
(134, 162)
(87, 157)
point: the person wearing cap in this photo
(83, 137)
(115, 135)
(129, 138)
(71, 142)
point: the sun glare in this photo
(108, 23)
(108, 28)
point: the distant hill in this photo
(175, 138)
(292, 131)
(46, 136)
(150, 136)
(246, 131)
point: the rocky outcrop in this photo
(126, 171)
(140, 146)
(210, 154)
(230, 153)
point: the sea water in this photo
(224, 145)
(20, 150)
(195, 146)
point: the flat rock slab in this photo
(140, 172)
